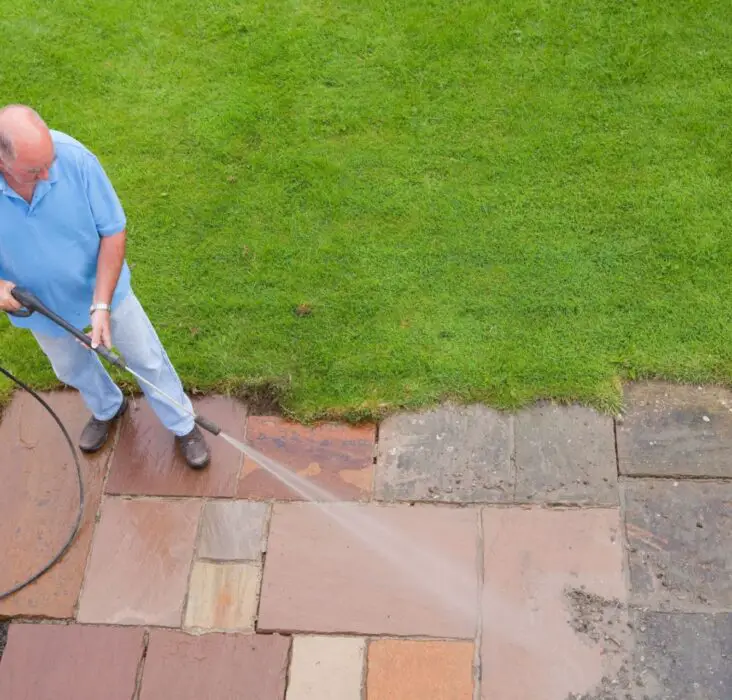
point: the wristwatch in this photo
(99, 307)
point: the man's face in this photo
(29, 171)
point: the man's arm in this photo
(109, 218)
(109, 265)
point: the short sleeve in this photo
(105, 205)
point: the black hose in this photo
(79, 517)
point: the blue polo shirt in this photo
(50, 246)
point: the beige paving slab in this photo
(223, 596)
(326, 668)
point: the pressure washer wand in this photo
(31, 303)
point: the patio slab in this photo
(417, 670)
(680, 539)
(233, 530)
(684, 656)
(547, 575)
(223, 596)
(326, 668)
(138, 571)
(70, 662)
(676, 430)
(369, 569)
(39, 501)
(336, 460)
(220, 666)
(147, 461)
(565, 454)
(452, 455)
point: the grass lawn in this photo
(494, 201)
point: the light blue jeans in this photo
(137, 342)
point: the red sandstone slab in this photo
(138, 571)
(334, 457)
(547, 574)
(39, 501)
(215, 666)
(410, 670)
(70, 662)
(369, 569)
(147, 461)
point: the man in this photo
(62, 236)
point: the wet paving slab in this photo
(147, 461)
(335, 459)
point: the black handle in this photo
(32, 303)
(24, 297)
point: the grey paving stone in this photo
(672, 430)
(232, 530)
(666, 656)
(452, 454)
(685, 656)
(680, 539)
(565, 454)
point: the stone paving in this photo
(454, 554)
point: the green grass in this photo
(495, 201)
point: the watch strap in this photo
(99, 307)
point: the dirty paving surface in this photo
(457, 553)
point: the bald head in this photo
(22, 131)
(26, 145)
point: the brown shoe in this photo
(194, 449)
(95, 433)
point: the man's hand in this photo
(7, 301)
(101, 330)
